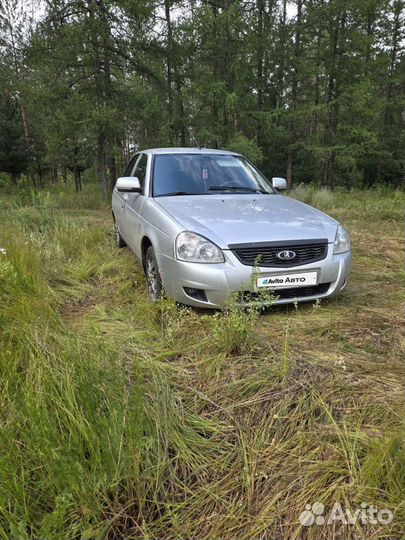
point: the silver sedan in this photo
(206, 224)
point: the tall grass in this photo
(124, 419)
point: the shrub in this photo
(233, 329)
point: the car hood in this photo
(234, 219)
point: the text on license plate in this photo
(282, 281)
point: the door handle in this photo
(125, 197)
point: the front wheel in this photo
(154, 281)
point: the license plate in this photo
(284, 281)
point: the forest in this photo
(312, 90)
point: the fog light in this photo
(197, 294)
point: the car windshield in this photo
(206, 174)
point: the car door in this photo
(132, 207)
(119, 198)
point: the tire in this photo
(119, 241)
(153, 279)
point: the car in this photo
(207, 226)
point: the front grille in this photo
(265, 254)
(285, 294)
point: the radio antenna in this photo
(199, 146)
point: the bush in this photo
(5, 182)
(233, 330)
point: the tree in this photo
(14, 152)
(313, 88)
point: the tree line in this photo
(313, 90)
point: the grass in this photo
(123, 419)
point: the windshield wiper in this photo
(237, 188)
(174, 193)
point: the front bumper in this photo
(220, 280)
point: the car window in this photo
(131, 165)
(198, 174)
(140, 170)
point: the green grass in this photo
(123, 419)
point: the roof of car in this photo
(188, 151)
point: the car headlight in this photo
(342, 241)
(192, 247)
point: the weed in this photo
(233, 329)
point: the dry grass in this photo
(121, 419)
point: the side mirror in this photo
(128, 184)
(279, 183)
